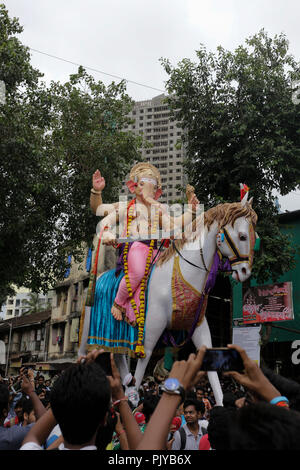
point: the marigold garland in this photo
(139, 313)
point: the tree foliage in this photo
(242, 126)
(51, 141)
(34, 304)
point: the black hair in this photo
(229, 400)
(79, 400)
(45, 401)
(218, 427)
(4, 399)
(151, 384)
(105, 432)
(149, 404)
(27, 405)
(198, 404)
(20, 402)
(191, 395)
(262, 426)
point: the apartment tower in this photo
(151, 119)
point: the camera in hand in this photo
(104, 361)
(222, 360)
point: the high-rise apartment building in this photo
(19, 304)
(151, 119)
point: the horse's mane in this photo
(224, 214)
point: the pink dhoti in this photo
(137, 257)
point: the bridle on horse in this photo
(235, 259)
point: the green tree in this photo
(87, 133)
(51, 141)
(241, 125)
(33, 304)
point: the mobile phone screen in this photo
(104, 361)
(222, 360)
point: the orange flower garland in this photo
(139, 313)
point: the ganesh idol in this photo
(141, 219)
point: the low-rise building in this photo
(25, 339)
(19, 304)
(48, 340)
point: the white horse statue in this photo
(181, 273)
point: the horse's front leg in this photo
(202, 337)
(156, 323)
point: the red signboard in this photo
(268, 303)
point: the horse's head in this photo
(236, 238)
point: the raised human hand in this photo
(115, 381)
(27, 384)
(98, 181)
(253, 378)
(90, 357)
(188, 372)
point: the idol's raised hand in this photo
(98, 181)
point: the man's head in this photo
(262, 426)
(149, 405)
(28, 412)
(41, 380)
(193, 410)
(219, 427)
(19, 409)
(129, 380)
(199, 393)
(80, 400)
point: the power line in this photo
(96, 70)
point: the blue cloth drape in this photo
(105, 331)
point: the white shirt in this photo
(35, 446)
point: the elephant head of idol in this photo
(145, 182)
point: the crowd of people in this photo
(84, 409)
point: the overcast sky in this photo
(126, 38)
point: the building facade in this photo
(49, 340)
(151, 119)
(24, 341)
(280, 348)
(18, 304)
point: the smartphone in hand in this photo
(222, 360)
(104, 361)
